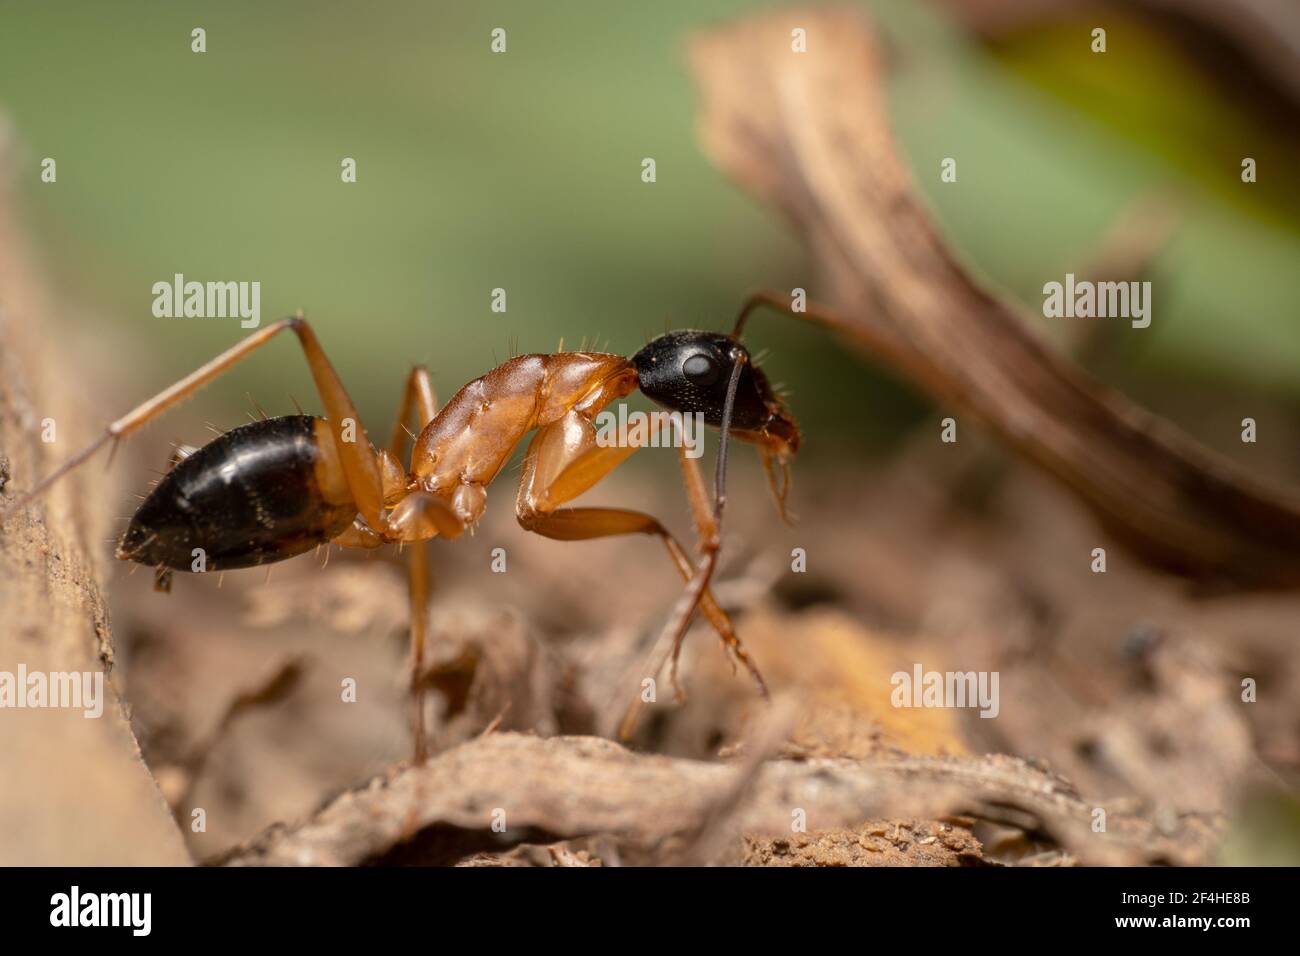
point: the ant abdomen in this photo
(260, 493)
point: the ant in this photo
(278, 487)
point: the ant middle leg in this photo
(413, 527)
(418, 517)
(418, 397)
(709, 535)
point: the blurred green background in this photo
(522, 171)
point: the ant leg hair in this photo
(179, 454)
(360, 464)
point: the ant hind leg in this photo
(360, 464)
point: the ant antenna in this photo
(752, 303)
(739, 360)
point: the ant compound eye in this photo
(702, 369)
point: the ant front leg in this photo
(562, 462)
(709, 533)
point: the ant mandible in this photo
(276, 488)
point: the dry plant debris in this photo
(651, 807)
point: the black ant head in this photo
(689, 371)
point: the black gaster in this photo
(250, 497)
